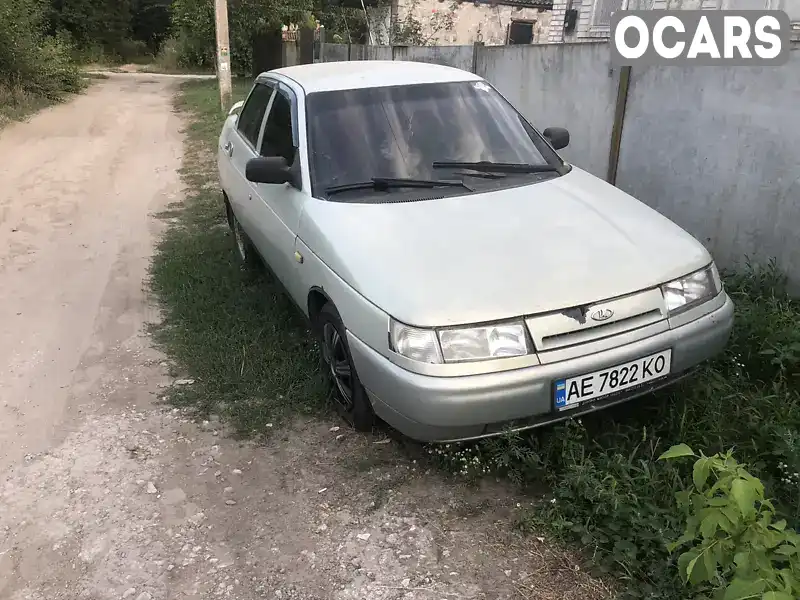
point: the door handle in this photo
(228, 148)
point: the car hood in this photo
(560, 243)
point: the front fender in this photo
(365, 320)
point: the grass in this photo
(234, 332)
(18, 105)
(168, 69)
(254, 363)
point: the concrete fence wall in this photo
(459, 57)
(717, 150)
(554, 85)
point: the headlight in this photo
(413, 343)
(481, 343)
(458, 345)
(691, 290)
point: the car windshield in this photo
(401, 131)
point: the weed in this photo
(734, 548)
(16, 104)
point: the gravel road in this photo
(104, 494)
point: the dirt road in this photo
(105, 495)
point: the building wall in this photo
(585, 32)
(688, 4)
(453, 23)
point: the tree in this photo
(92, 23)
(150, 22)
(30, 61)
(342, 24)
(193, 21)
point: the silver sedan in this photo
(462, 278)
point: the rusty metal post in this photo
(619, 121)
(476, 48)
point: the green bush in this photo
(168, 58)
(195, 41)
(607, 489)
(30, 62)
(132, 51)
(736, 548)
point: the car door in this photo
(241, 147)
(277, 207)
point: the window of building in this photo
(602, 11)
(521, 32)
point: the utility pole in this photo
(223, 53)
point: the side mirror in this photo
(236, 108)
(557, 136)
(268, 169)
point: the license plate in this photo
(593, 386)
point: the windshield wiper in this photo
(382, 184)
(497, 167)
(481, 174)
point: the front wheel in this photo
(350, 397)
(244, 247)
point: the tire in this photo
(349, 396)
(244, 247)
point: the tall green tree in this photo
(30, 61)
(150, 22)
(90, 23)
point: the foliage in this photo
(736, 547)
(413, 31)
(170, 58)
(102, 23)
(341, 24)
(111, 30)
(32, 64)
(193, 21)
(150, 23)
(193, 26)
(607, 489)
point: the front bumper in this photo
(429, 408)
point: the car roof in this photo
(355, 74)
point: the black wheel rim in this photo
(237, 234)
(335, 356)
